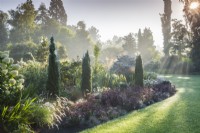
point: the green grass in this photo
(177, 114)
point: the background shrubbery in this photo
(35, 74)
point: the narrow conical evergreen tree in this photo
(86, 84)
(139, 72)
(53, 72)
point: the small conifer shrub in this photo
(86, 84)
(139, 72)
(53, 72)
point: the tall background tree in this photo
(81, 42)
(129, 44)
(52, 86)
(22, 21)
(94, 34)
(180, 39)
(86, 83)
(42, 15)
(57, 11)
(81, 31)
(42, 51)
(42, 21)
(193, 19)
(166, 26)
(3, 30)
(146, 44)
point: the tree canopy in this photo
(57, 11)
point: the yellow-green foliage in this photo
(11, 117)
(35, 75)
(42, 115)
(103, 78)
(43, 50)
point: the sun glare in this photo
(194, 5)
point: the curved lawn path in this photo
(177, 114)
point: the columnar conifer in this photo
(86, 84)
(53, 72)
(139, 72)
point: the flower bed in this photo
(109, 104)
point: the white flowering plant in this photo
(11, 82)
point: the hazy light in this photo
(194, 5)
(183, 77)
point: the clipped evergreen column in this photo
(53, 72)
(86, 83)
(139, 72)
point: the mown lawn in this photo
(177, 114)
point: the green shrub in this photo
(116, 81)
(35, 74)
(12, 117)
(23, 50)
(23, 128)
(103, 78)
(150, 76)
(11, 82)
(16, 114)
(125, 66)
(24, 114)
(139, 72)
(152, 66)
(71, 74)
(42, 116)
(72, 93)
(98, 76)
(56, 112)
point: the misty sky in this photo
(112, 17)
